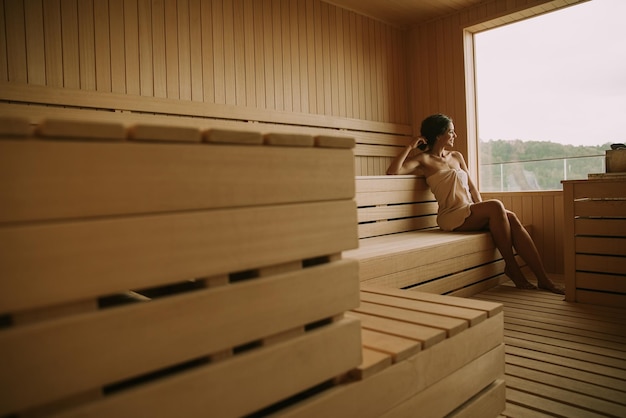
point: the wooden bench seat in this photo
(439, 355)
(400, 245)
(233, 269)
(166, 220)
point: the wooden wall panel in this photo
(33, 13)
(303, 56)
(544, 212)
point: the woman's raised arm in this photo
(400, 164)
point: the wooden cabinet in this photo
(595, 240)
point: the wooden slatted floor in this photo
(562, 359)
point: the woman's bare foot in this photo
(518, 279)
(551, 287)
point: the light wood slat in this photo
(157, 40)
(409, 379)
(397, 196)
(267, 52)
(237, 380)
(605, 365)
(376, 152)
(565, 332)
(466, 381)
(572, 312)
(472, 316)
(548, 299)
(164, 133)
(419, 280)
(58, 257)
(327, 141)
(598, 326)
(131, 47)
(373, 362)
(398, 348)
(35, 47)
(472, 289)
(118, 56)
(396, 211)
(543, 407)
(205, 322)
(573, 385)
(488, 403)
(597, 245)
(519, 410)
(412, 263)
(459, 281)
(102, 38)
(601, 189)
(427, 336)
(53, 45)
(282, 25)
(425, 244)
(601, 264)
(4, 76)
(208, 85)
(605, 227)
(289, 140)
(222, 136)
(48, 180)
(171, 68)
(605, 208)
(195, 46)
(63, 129)
(374, 229)
(144, 23)
(184, 48)
(387, 183)
(596, 298)
(15, 127)
(603, 282)
(612, 357)
(593, 345)
(488, 307)
(568, 368)
(450, 325)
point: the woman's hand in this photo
(415, 143)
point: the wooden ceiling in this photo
(403, 13)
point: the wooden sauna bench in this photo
(228, 244)
(400, 245)
(176, 272)
(424, 355)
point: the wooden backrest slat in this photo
(394, 204)
(393, 212)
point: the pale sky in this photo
(559, 77)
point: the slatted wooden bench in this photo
(170, 274)
(400, 245)
(423, 355)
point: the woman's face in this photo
(448, 136)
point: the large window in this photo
(551, 96)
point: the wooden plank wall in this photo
(302, 56)
(299, 57)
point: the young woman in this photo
(461, 207)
